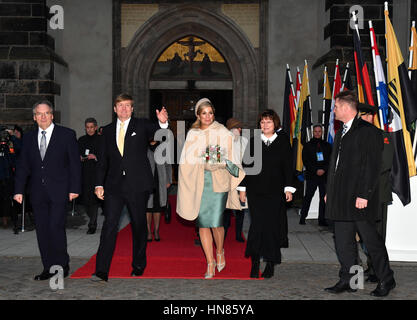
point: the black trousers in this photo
(92, 211)
(239, 214)
(113, 206)
(311, 186)
(347, 252)
(50, 219)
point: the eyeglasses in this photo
(40, 114)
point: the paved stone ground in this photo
(292, 281)
(309, 265)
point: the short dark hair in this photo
(270, 114)
(350, 97)
(91, 120)
(318, 125)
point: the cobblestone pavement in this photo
(292, 281)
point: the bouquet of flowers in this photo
(213, 154)
(214, 158)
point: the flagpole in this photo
(410, 65)
(292, 85)
(378, 94)
(410, 61)
(344, 77)
(323, 116)
(299, 80)
(309, 101)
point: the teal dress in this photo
(213, 203)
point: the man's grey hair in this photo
(48, 103)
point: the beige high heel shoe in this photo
(220, 266)
(209, 275)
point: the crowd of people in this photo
(115, 165)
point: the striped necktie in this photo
(121, 138)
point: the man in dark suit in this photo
(316, 157)
(50, 159)
(88, 147)
(367, 113)
(352, 199)
(124, 177)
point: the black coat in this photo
(134, 163)
(266, 200)
(357, 174)
(91, 143)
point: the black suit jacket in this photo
(134, 164)
(357, 174)
(59, 173)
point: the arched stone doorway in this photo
(173, 23)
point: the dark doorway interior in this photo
(180, 104)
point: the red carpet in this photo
(175, 256)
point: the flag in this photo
(337, 85)
(303, 120)
(362, 75)
(288, 111)
(381, 83)
(298, 87)
(327, 103)
(399, 93)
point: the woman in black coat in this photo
(267, 193)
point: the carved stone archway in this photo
(170, 24)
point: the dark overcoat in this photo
(357, 173)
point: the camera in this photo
(4, 140)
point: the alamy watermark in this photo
(57, 20)
(56, 282)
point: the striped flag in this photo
(399, 96)
(303, 120)
(362, 75)
(381, 83)
(337, 85)
(288, 111)
(327, 103)
(298, 87)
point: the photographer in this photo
(7, 164)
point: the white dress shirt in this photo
(48, 135)
(126, 124)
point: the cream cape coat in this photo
(191, 170)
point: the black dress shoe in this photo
(372, 278)
(100, 276)
(91, 231)
(45, 275)
(269, 270)
(383, 288)
(302, 221)
(254, 272)
(340, 287)
(137, 272)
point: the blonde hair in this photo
(200, 105)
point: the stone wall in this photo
(27, 60)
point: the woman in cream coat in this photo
(205, 190)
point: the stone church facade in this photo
(112, 46)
